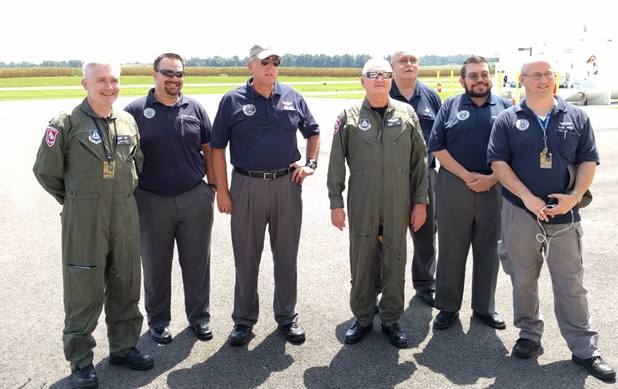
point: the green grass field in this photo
(42, 88)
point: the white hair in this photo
(113, 65)
(377, 64)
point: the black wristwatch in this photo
(312, 163)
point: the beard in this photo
(472, 93)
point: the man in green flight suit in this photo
(89, 160)
(382, 142)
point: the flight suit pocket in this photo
(81, 228)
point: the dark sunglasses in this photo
(276, 61)
(171, 73)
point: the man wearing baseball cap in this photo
(260, 122)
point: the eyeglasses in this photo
(476, 76)
(537, 76)
(171, 73)
(276, 61)
(405, 61)
(374, 75)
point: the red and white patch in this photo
(337, 125)
(50, 136)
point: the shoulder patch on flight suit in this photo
(364, 124)
(337, 125)
(50, 136)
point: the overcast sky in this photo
(139, 30)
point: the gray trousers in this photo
(186, 219)
(466, 219)
(522, 258)
(424, 240)
(256, 204)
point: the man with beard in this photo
(174, 201)
(467, 197)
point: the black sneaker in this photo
(597, 367)
(525, 348)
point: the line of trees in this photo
(289, 60)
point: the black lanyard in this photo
(109, 157)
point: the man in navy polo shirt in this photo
(530, 148)
(174, 201)
(467, 198)
(426, 102)
(260, 121)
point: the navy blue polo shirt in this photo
(171, 139)
(517, 139)
(462, 128)
(262, 131)
(426, 102)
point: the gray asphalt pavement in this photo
(469, 354)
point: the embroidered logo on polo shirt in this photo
(249, 109)
(364, 124)
(50, 136)
(288, 106)
(149, 113)
(94, 137)
(463, 115)
(522, 124)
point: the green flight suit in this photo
(387, 160)
(100, 226)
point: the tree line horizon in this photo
(289, 60)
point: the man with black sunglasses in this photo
(381, 141)
(260, 121)
(175, 203)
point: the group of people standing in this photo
(137, 182)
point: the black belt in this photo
(266, 175)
